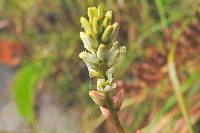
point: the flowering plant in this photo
(101, 56)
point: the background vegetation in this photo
(40, 40)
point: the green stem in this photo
(109, 104)
(114, 115)
(161, 12)
(176, 85)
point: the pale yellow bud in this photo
(92, 13)
(107, 34)
(107, 19)
(102, 52)
(96, 26)
(93, 41)
(115, 30)
(86, 25)
(93, 73)
(101, 11)
(113, 57)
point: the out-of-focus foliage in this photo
(24, 86)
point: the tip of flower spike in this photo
(92, 13)
(101, 11)
(93, 7)
(92, 10)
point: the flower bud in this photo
(83, 55)
(86, 25)
(102, 52)
(115, 46)
(107, 20)
(93, 73)
(107, 88)
(100, 84)
(113, 54)
(101, 11)
(93, 41)
(97, 97)
(109, 75)
(92, 13)
(89, 59)
(115, 30)
(86, 42)
(107, 34)
(96, 26)
(118, 98)
(113, 57)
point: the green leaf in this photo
(24, 88)
(22, 4)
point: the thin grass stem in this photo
(177, 89)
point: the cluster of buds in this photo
(102, 52)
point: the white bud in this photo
(86, 42)
(113, 57)
(93, 73)
(90, 60)
(100, 83)
(107, 88)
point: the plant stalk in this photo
(110, 106)
(114, 115)
(161, 12)
(177, 89)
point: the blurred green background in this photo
(44, 85)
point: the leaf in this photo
(24, 88)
